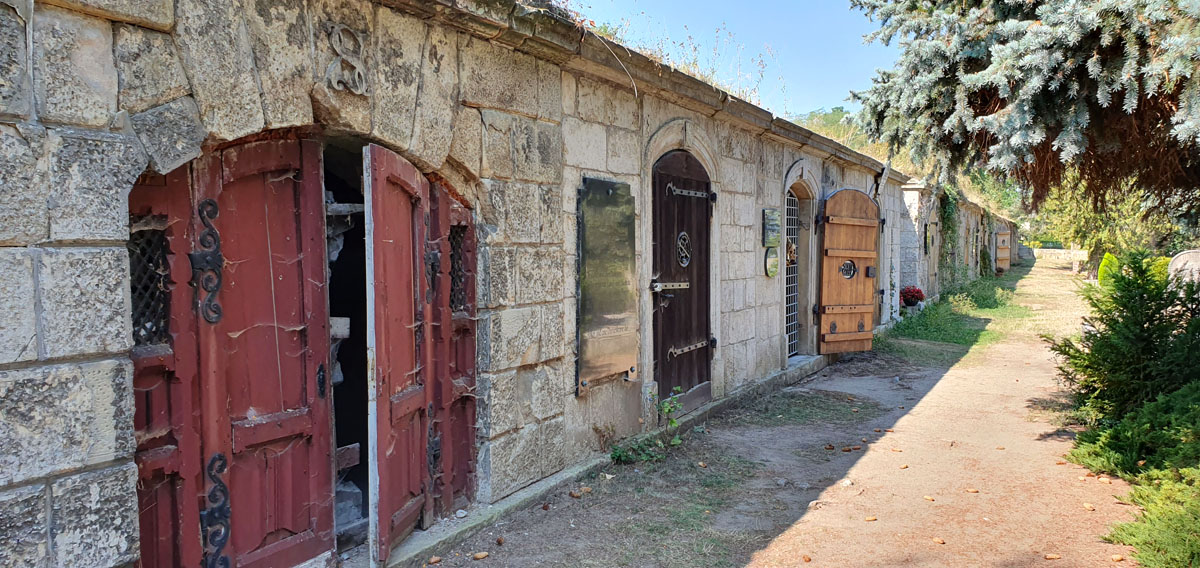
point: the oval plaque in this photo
(848, 269)
(772, 261)
(683, 248)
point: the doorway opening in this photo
(346, 249)
(798, 223)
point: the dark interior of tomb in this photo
(345, 234)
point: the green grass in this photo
(800, 407)
(977, 314)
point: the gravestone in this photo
(1186, 265)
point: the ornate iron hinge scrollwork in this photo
(207, 263)
(215, 518)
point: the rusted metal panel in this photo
(165, 386)
(849, 281)
(682, 222)
(396, 198)
(263, 347)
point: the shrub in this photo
(1140, 341)
(1167, 533)
(1163, 434)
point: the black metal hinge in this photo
(215, 518)
(321, 380)
(207, 263)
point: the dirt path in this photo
(969, 455)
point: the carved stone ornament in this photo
(346, 72)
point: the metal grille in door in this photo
(792, 284)
(148, 279)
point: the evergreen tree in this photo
(1035, 89)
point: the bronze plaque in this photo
(607, 322)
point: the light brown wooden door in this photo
(849, 272)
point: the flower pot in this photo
(911, 303)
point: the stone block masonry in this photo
(509, 108)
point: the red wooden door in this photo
(849, 266)
(682, 332)
(396, 198)
(259, 277)
(164, 362)
(452, 447)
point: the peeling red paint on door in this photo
(165, 391)
(262, 364)
(452, 449)
(397, 211)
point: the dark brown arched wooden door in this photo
(683, 341)
(849, 272)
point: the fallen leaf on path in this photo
(1052, 557)
(435, 559)
(1090, 474)
(1082, 477)
(928, 498)
(878, 430)
(853, 410)
(586, 490)
(1089, 506)
(1060, 462)
(1104, 480)
(888, 430)
(870, 519)
(575, 494)
(608, 476)
(939, 541)
(905, 466)
(545, 506)
(480, 555)
(972, 490)
(806, 558)
(828, 446)
(856, 448)
(701, 464)
(500, 541)
(864, 439)
(846, 449)
(1117, 558)
(897, 450)
(999, 447)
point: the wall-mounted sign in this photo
(772, 261)
(607, 322)
(772, 227)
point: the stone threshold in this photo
(417, 549)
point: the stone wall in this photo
(509, 106)
(67, 479)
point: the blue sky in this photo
(817, 46)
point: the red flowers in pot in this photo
(911, 295)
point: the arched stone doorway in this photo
(799, 214)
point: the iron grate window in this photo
(458, 273)
(148, 275)
(792, 284)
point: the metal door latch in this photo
(677, 351)
(656, 286)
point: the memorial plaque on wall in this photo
(607, 321)
(772, 227)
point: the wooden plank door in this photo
(849, 272)
(396, 198)
(164, 363)
(259, 277)
(683, 343)
(452, 448)
(1003, 250)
